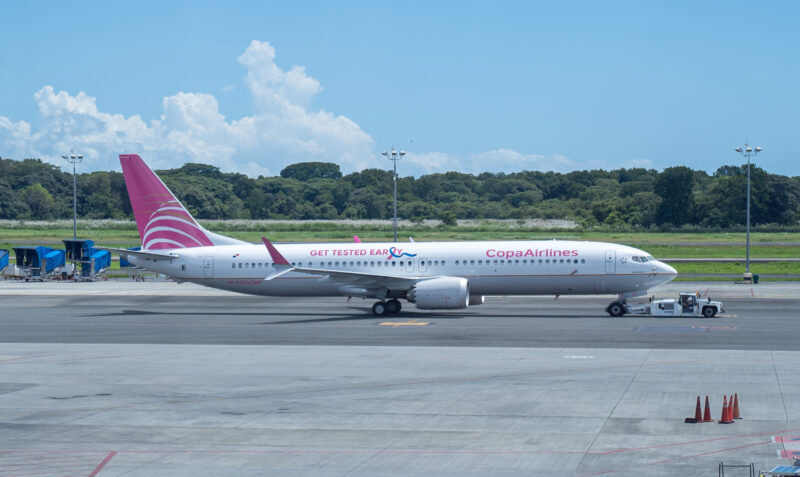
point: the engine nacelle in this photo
(446, 293)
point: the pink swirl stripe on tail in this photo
(162, 221)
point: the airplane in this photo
(431, 275)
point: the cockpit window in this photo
(641, 259)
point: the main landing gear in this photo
(383, 308)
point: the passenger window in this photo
(480, 262)
(495, 262)
(436, 262)
(371, 264)
(351, 264)
(183, 268)
(401, 263)
(516, 262)
(540, 261)
(358, 263)
(246, 265)
(233, 265)
(394, 264)
(253, 265)
(524, 262)
(547, 262)
(337, 264)
(456, 262)
(472, 262)
(422, 262)
(502, 262)
(583, 260)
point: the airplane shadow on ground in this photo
(353, 314)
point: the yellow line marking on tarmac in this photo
(395, 324)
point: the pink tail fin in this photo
(162, 221)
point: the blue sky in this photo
(470, 86)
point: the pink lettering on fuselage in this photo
(338, 252)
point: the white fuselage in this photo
(554, 267)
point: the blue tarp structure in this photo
(30, 259)
(125, 263)
(100, 260)
(92, 261)
(3, 259)
(53, 260)
(78, 250)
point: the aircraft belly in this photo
(535, 285)
(278, 287)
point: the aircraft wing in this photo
(348, 279)
(145, 254)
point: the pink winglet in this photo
(356, 239)
(277, 258)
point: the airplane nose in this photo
(668, 270)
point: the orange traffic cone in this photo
(698, 414)
(725, 418)
(736, 414)
(707, 412)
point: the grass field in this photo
(660, 245)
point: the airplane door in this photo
(409, 265)
(208, 267)
(423, 264)
(611, 261)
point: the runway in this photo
(749, 323)
(112, 379)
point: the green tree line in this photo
(677, 196)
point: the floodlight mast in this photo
(394, 156)
(748, 151)
(74, 158)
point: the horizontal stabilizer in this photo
(145, 254)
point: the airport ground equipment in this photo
(782, 471)
(31, 261)
(3, 260)
(54, 262)
(751, 469)
(89, 260)
(687, 304)
(100, 261)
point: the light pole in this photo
(74, 158)
(748, 151)
(394, 156)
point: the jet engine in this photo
(446, 293)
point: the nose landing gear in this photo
(616, 308)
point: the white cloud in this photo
(497, 160)
(191, 128)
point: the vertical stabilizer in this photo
(162, 221)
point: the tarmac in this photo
(143, 379)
